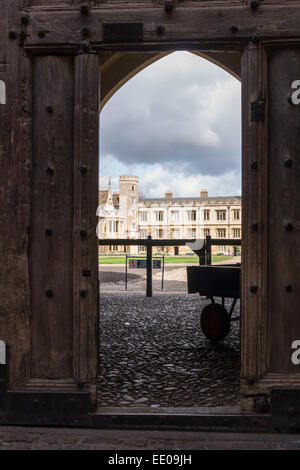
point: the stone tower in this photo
(128, 187)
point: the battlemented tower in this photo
(128, 187)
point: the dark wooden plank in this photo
(284, 207)
(51, 256)
(57, 3)
(15, 158)
(157, 3)
(196, 24)
(86, 291)
(254, 209)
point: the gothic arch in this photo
(118, 68)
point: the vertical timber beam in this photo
(284, 213)
(51, 250)
(255, 223)
(86, 174)
(15, 178)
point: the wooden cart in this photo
(211, 282)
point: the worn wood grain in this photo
(51, 256)
(178, 4)
(254, 204)
(86, 309)
(15, 160)
(196, 24)
(284, 207)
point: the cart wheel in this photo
(215, 322)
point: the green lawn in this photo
(168, 259)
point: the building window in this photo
(176, 233)
(159, 233)
(144, 216)
(159, 216)
(143, 233)
(112, 226)
(221, 215)
(132, 188)
(221, 233)
(132, 226)
(206, 214)
(236, 214)
(236, 233)
(191, 215)
(192, 233)
(175, 216)
(206, 232)
(132, 200)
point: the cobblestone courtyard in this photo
(153, 354)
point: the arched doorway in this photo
(40, 102)
(118, 68)
(110, 362)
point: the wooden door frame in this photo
(204, 27)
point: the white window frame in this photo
(236, 212)
(175, 216)
(206, 214)
(190, 213)
(221, 214)
(191, 233)
(159, 214)
(143, 216)
(223, 230)
(234, 232)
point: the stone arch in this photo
(119, 68)
(2, 92)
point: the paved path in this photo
(153, 354)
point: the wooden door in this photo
(63, 263)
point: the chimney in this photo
(203, 193)
(168, 195)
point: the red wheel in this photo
(215, 322)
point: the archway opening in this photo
(170, 168)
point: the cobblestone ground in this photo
(153, 354)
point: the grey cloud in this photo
(176, 116)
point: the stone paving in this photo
(153, 354)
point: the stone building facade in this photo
(125, 214)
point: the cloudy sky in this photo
(176, 125)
